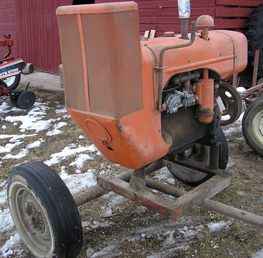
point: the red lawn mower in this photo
(10, 75)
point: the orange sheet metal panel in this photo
(117, 88)
(108, 48)
(217, 54)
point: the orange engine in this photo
(140, 100)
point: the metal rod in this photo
(252, 90)
(184, 23)
(234, 212)
(255, 70)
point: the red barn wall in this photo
(37, 34)
(8, 18)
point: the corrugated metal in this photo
(8, 18)
(37, 32)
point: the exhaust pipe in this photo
(184, 10)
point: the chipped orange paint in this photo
(130, 133)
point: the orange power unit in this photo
(140, 99)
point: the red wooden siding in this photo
(162, 15)
(34, 24)
(37, 33)
(8, 18)
(232, 14)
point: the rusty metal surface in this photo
(115, 82)
(114, 68)
(218, 55)
(72, 63)
(119, 88)
(108, 54)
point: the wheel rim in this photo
(31, 220)
(229, 103)
(232, 103)
(257, 127)
(9, 81)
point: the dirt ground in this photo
(115, 227)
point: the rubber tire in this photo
(249, 115)
(238, 103)
(23, 99)
(15, 84)
(194, 178)
(255, 36)
(59, 204)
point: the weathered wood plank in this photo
(249, 3)
(222, 11)
(208, 189)
(144, 197)
(234, 212)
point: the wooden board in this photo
(249, 3)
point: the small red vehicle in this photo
(10, 75)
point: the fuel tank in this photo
(110, 76)
(224, 53)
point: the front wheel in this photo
(44, 212)
(252, 126)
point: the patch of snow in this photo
(61, 110)
(5, 108)
(109, 251)
(35, 144)
(81, 137)
(93, 148)
(77, 182)
(3, 197)
(241, 89)
(68, 151)
(9, 147)
(235, 127)
(4, 127)
(80, 160)
(217, 226)
(33, 120)
(23, 153)
(6, 222)
(56, 130)
(114, 200)
(8, 249)
(14, 138)
(258, 254)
